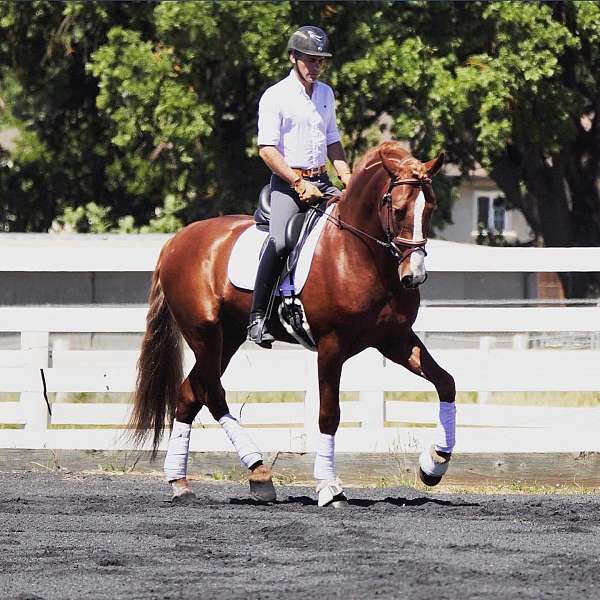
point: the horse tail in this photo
(159, 370)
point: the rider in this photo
(297, 132)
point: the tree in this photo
(513, 86)
(64, 151)
(189, 98)
(127, 105)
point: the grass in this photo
(403, 478)
(520, 487)
(91, 397)
(565, 399)
(276, 397)
(407, 477)
(124, 462)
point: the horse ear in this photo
(388, 165)
(433, 166)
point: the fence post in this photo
(373, 417)
(372, 403)
(520, 341)
(486, 342)
(59, 344)
(34, 344)
(311, 402)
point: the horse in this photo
(362, 291)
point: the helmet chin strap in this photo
(303, 79)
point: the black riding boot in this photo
(269, 270)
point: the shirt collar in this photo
(297, 84)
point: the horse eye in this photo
(400, 213)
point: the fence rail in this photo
(371, 423)
(131, 319)
(122, 253)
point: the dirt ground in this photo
(118, 536)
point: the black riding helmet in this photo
(310, 40)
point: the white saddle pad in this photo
(243, 262)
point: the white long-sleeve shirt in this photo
(298, 125)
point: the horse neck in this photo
(359, 207)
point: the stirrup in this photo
(257, 332)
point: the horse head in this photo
(405, 208)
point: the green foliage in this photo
(167, 218)
(149, 110)
(157, 119)
(90, 218)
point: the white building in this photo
(480, 210)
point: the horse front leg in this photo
(410, 352)
(329, 362)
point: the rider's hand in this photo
(307, 192)
(345, 178)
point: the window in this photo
(491, 213)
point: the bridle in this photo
(401, 248)
(398, 247)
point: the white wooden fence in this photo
(123, 253)
(369, 424)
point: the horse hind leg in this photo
(259, 475)
(411, 353)
(188, 405)
(214, 361)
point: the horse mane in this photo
(392, 151)
(371, 158)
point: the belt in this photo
(310, 172)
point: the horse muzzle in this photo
(412, 271)
(410, 282)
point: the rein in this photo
(393, 245)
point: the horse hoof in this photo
(433, 466)
(263, 491)
(331, 494)
(184, 498)
(339, 501)
(261, 484)
(429, 480)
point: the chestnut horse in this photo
(362, 291)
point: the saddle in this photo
(298, 228)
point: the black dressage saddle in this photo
(297, 228)
(291, 311)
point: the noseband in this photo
(401, 248)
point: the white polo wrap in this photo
(325, 459)
(247, 450)
(445, 434)
(177, 452)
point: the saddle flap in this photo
(305, 226)
(293, 230)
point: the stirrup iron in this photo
(258, 333)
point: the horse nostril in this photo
(407, 281)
